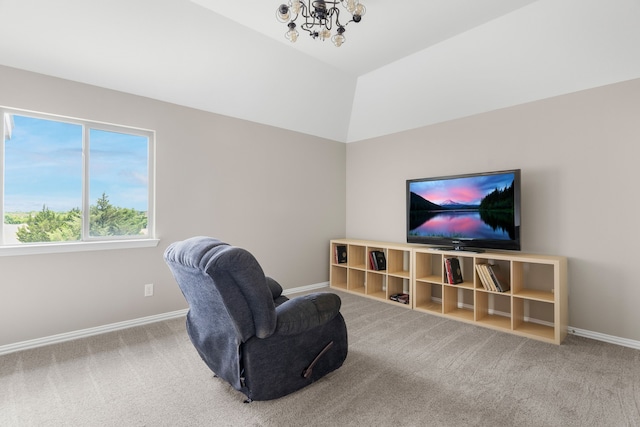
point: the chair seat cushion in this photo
(306, 312)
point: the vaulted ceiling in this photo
(408, 64)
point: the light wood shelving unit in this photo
(358, 277)
(535, 306)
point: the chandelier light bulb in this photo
(292, 34)
(283, 13)
(351, 6)
(295, 6)
(339, 38)
(360, 10)
(324, 34)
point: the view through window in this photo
(68, 180)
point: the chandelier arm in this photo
(303, 9)
(337, 12)
(309, 22)
(306, 28)
(328, 23)
(338, 20)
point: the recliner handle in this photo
(306, 373)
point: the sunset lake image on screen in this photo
(471, 207)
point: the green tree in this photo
(49, 226)
(15, 218)
(108, 220)
(72, 228)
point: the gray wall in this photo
(278, 193)
(579, 159)
(577, 152)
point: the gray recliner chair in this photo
(247, 332)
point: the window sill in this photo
(56, 248)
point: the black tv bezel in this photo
(470, 244)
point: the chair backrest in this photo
(224, 286)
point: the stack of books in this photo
(401, 298)
(453, 272)
(340, 254)
(377, 260)
(491, 278)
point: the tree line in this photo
(104, 220)
(499, 199)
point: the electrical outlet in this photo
(148, 290)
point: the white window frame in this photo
(87, 242)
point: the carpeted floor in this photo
(404, 369)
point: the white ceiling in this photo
(390, 30)
(408, 63)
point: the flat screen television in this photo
(465, 212)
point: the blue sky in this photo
(462, 190)
(43, 166)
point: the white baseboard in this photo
(611, 339)
(307, 288)
(83, 333)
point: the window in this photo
(67, 180)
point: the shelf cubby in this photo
(532, 317)
(466, 266)
(534, 281)
(398, 285)
(339, 277)
(501, 267)
(428, 297)
(428, 267)
(458, 302)
(493, 310)
(356, 257)
(368, 259)
(398, 263)
(356, 281)
(376, 285)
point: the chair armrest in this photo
(305, 312)
(274, 287)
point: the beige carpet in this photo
(404, 369)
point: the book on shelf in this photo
(447, 271)
(498, 280)
(341, 254)
(377, 260)
(401, 298)
(453, 271)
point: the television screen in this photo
(480, 210)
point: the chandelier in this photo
(320, 18)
